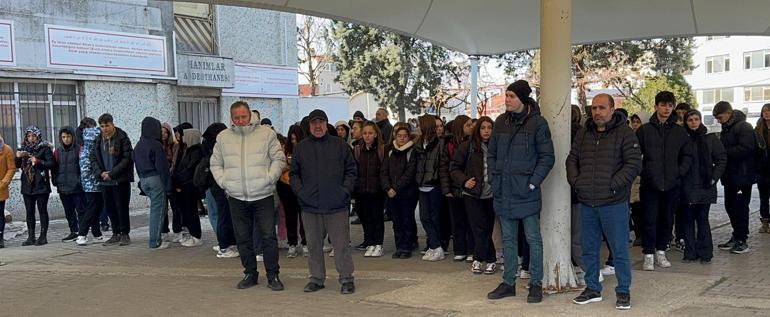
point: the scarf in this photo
(703, 154)
(31, 148)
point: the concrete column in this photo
(555, 70)
(474, 86)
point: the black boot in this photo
(30, 241)
(502, 291)
(2, 242)
(42, 240)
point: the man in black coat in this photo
(738, 138)
(112, 161)
(666, 159)
(381, 118)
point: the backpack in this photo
(203, 178)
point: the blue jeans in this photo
(156, 192)
(211, 205)
(430, 216)
(612, 221)
(510, 245)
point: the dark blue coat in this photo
(520, 154)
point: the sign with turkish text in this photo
(205, 71)
(267, 81)
(7, 49)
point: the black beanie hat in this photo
(359, 114)
(266, 121)
(318, 114)
(722, 107)
(521, 89)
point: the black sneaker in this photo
(70, 237)
(124, 240)
(727, 246)
(348, 288)
(29, 241)
(406, 255)
(705, 261)
(115, 239)
(588, 296)
(249, 280)
(362, 246)
(313, 287)
(502, 291)
(274, 283)
(623, 301)
(535, 293)
(740, 247)
(397, 254)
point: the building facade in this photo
(178, 62)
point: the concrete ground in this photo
(66, 280)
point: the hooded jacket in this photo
(398, 169)
(203, 177)
(432, 166)
(665, 154)
(7, 168)
(468, 162)
(35, 178)
(119, 149)
(149, 155)
(520, 154)
(323, 174)
(695, 188)
(602, 166)
(247, 162)
(739, 141)
(66, 172)
(88, 177)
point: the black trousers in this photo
(117, 199)
(445, 223)
(187, 202)
(462, 236)
(41, 201)
(292, 212)
(764, 198)
(89, 214)
(637, 217)
(481, 219)
(404, 224)
(737, 200)
(658, 212)
(176, 215)
(372, 217)
(255, 218)
(72, 204)
(700, 245)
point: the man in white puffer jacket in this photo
(247, 162)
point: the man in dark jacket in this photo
(111, 160)
(381, 118)
(666, 159)
(602, 164)
(520, 157)
(739, 141)
(323, 175)
(154, 175)
(66, 178)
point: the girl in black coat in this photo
(35, 158)
(370, 197)
(469, 171)
(699, 188)
(398, 182)
(462, 237)
(185, 190)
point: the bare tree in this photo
(315, 46)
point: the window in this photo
(193, 23)
(200, 112)
(760, 93)
(711, 96)
(756, 59)
(717, 64)
(49, 107)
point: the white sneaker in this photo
(491, 269)
(216, 249)
(460, 257)
(661, 260)
(476, 267)
(438, 255)
(328, 248)
(230, 252)
(469, 258)
(192, 242)
(174, 237)
(608, 270)
(260, 258)
(377, 252)
(292, 253)
(163, 245)
(331, 253)
(99, 238)
(81, 240)
(369, 251)
(524, 275)
(428, 254)
(649, 263)
(306, 252)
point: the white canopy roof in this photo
(484, 27)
